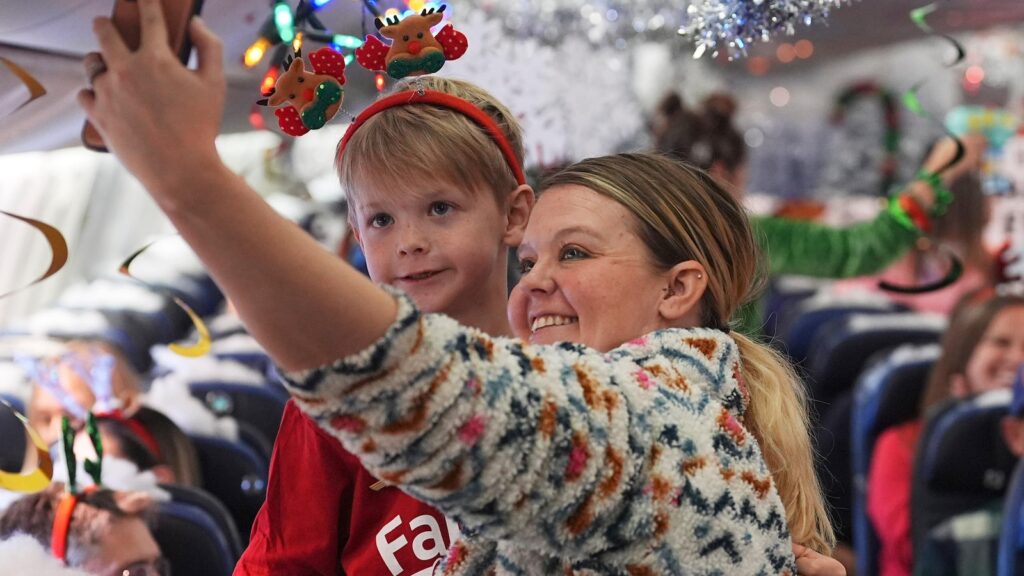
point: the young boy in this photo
(436, 201)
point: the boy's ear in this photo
(355, 229)
(518, 207)
(686, 283)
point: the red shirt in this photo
(321, 517)
(888, 496)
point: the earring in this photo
(699, 275)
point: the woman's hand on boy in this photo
(158, 117)
(811, 563)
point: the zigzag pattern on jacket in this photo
(560, 458)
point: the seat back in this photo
(235, 474)
(962, 462)
(799, 333)
(1010, 561)
(213, 508)
(261, 407)
(782, 299)
(192, 541)
(12, 438)
(886, 395)
(843, 346)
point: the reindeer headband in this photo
(66, 509)
(414, 50)
(308, 100)
(433, 97)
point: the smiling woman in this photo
(662, 245)
(595, 283)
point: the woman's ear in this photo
(686, 283)
(518, 207)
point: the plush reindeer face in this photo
(307, 100)
(295, 85)
(411, 36)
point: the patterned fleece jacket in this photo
(560, 459)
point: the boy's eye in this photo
(440, 208)
(573, 253)
(381, 220)
(525, 266)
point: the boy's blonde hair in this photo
(683, 214)
(433, 138)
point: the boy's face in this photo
(443, 246)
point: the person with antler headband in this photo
(100, 531)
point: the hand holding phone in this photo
(126, 19)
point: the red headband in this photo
(445, 101)
(62, 524)
(137, 428)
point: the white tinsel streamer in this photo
(712, 25)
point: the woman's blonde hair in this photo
(683, 214)
(431, 138)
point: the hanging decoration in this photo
(729, 26)
(733, 25)
(943, 197)
(36, 479)
(889, 163)
(202, 345)
(17, 87)
(58, 249)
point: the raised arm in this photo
(160, 120)
(812, 249)
(561, 446)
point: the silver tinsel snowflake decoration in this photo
(712, 25)
(733, 25)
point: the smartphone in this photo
(177, 14)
